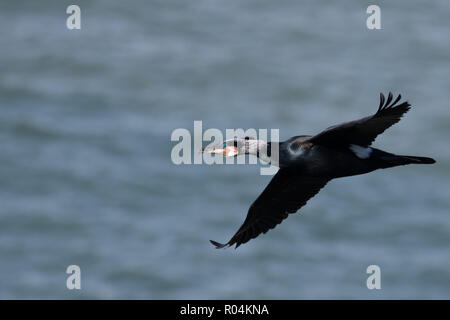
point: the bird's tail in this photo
(399, 160)
(419, 160)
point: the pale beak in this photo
(226, 152)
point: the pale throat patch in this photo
(263, 153)
(361, 152)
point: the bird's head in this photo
(233, 147)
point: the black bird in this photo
(307, 163)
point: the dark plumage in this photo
(307, 163)
(363, 132)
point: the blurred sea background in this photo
(86, 176)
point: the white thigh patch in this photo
(361, 152)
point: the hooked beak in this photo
(230, 151)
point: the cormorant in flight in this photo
(307, 163)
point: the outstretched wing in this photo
(363, 132)
(287, 192)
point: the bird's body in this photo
(323, 161)
(307, 163)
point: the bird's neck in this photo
(266, 151)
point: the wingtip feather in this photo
(381, 101)
(389, 103)
(218, 245)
